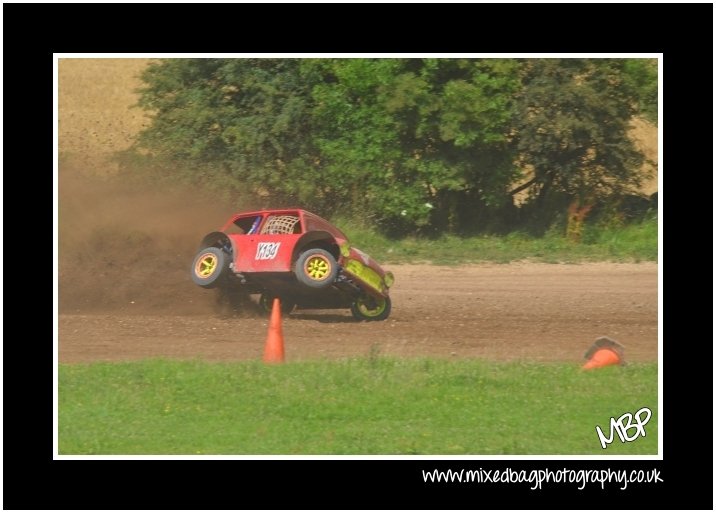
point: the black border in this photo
(32, 480)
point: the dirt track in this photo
(538, 312)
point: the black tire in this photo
(266, 303)
(368, 308)
(210, 268)
(316, 268)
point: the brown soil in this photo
(646, 137)
(525, 311)
(97, 113)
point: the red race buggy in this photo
(296, 256)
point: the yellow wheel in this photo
(210, 267)
(206, 265)
(316, 268)
(368, 308)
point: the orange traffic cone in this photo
(273, 353)
(603, 352)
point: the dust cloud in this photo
(128, 246)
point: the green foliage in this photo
(417, 146)
(643, 76)
(634, 242)
(371, 405)
(238, 122)
(571, 120)
(404, 139)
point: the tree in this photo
(417, 140)
(642, 75)
(240, 123)
(412, 145)
(571, 122)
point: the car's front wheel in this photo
(316, 268)
(210, 267)
(369, 308)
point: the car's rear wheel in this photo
(316, 268)
(210, 268)
(266, 303)
(369, 308)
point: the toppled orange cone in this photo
(604, 352)
(274, 353)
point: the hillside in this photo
(96, 113)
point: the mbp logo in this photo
(623, 424)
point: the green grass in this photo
(630, 243)
(358, 406)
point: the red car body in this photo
(297, 256)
